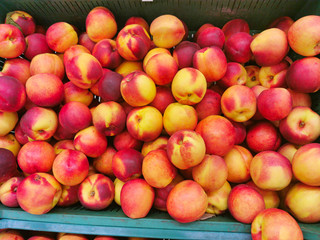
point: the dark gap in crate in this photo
(261, 5)
(89, 4)
(83, 7)
(235, 6)
(265, 5)
(217, 6)
(246, 5)
(268, 2)
(275, 4)
(67, 7)
(224, 7)
(74, 5)
(98, 3)
(254, 6)
(31, 7)
(54, 7)
(2, 60)
(133, 4)
(199, 4)
(75, 207)
(214, 5)
(315, 99)
(48, 10)
(119, 6)
(228, 4)
(230, 9)
(116, 6)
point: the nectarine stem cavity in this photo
(37, 177)
(301, 124)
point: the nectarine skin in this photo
(24, 20)
(269, 47)
(45, 89)
(186, 149)
(101, 24)
(237, 47)
(90, 141)
(70, 167)
(274, 103)
(189, 86)
(304, 75)
(60, 36)
(36, 44)
(39, 123)
(187, 201)
(18, 68)
(302, 201)
(218, 199)
(270, 170)
(245, 203)
(234, 26)
(162, 68)
(8, 165)
(263, 136)
(238, 103)
(201, 173)
(36, 156)
(84, 70)
(38, 193)
(136, 198)
(305, 164)
(179, 116)
(8, 192)
(127, 164)
(212, 62)
(301, 126)
(109, 118)
(47, 63)
(167, 31)
(157, 169)
(133, 42)
(238, 161)
(68, 116)
(13, 94)
(145, 123)
(96, 192)
(302, 35)
(274, 223)
(218, 134)
(12, 42)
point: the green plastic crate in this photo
(258, 13)
(112, 221)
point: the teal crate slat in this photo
(113, 221)
(310, 231)
(122, 232)
(115, 217)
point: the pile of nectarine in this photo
(149, 116)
